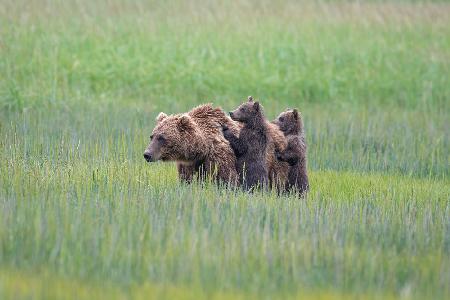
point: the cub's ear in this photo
(295, 113)
(256, 106)
(250, 98)
(161, 117)
(184, 123)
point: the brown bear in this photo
(291, 124)
(195, 141)
(250, 146)
(210, 152)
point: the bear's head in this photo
(175, 138)
(290, 122)
(247, 111)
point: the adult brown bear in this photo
(195, 142)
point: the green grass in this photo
(81, 84)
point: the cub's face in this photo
(289, 121)
(246, 111)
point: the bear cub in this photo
(250, 146)
(291, 124)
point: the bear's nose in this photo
(147, 156)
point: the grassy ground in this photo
(81, 83)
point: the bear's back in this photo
(210, 120)
(278, 170)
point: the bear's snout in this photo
(148, 157)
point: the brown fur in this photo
(210, 143)
(277, 170)
(250, 146)
(195, 141)
(291, 123)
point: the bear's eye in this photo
(241, 109)
(281, 119)
(161, 138)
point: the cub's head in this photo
(289, 121)
(175, 137)
(247, 111)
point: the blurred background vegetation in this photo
(82, 81)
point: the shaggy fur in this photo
(195, 141)
(250, 147)
(278, 170)
(291, 123)
(190, 162)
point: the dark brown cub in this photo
(250, 146)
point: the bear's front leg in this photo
(289, 156)
(185, 172)
(236, 144)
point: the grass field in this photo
(82, 216)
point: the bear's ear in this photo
(256, 106)
(250, 98)
(295, 113)
(184, 123)
(161, 117)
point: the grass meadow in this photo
(83, 216)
